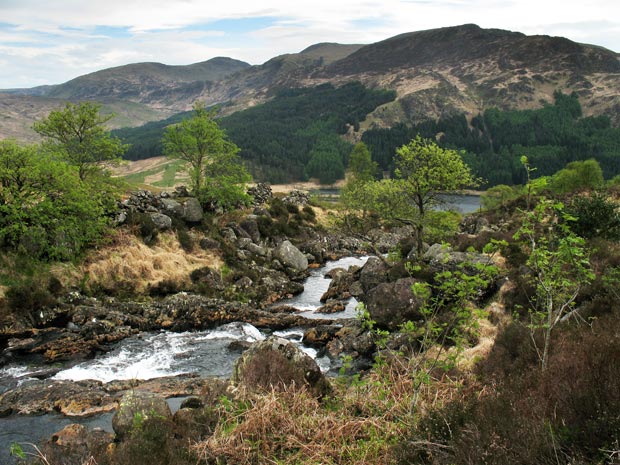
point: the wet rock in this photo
(192, 402)
(291, 256)
(391, 304)
(67, 397)
(340, 284)
(333, 306)
(278, 363)
(138, 407)
(76, 444)
(320, 335)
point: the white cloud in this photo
(55, 41)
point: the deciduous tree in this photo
(216, 172)
(425, 171)
(78, 135)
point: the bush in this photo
(596, 216)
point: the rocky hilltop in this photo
(434, 72)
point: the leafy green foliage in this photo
(325, 164)
(77, 135)
(560, 267)
(550, 137)
(217, 175)
(596, 216)
(46, 210)
(578, 175)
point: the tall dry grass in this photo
(360, 425)
(129, 264)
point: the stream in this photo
(209, 353)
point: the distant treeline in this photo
(294, 136)
(550, 137)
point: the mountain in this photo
(154, 84)
(444, 71)
(435, 73)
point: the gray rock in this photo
(391, 304)
(291, 256)
(161, 221)
(373, 273)
(138, 405)
(250, 226)
(277, 363)
(172, 207)
(192, 210)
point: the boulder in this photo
(373, 273)
(291, 256)
(277, 363)
(161, 221)
(135, 408)
(172, 207)
(192, 210)
(391, 304)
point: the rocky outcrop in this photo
(277, 363)
(92, 325)
(90, 397)
(161, 207)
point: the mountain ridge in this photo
(456, 69)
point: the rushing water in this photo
(156, 354)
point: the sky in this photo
(52, 41)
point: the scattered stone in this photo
(320, 335)
(261, 192)
(297, 198)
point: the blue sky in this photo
(52, 41)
